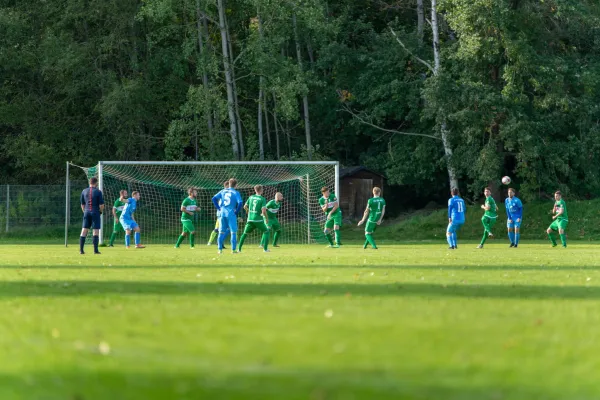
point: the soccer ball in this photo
(506, 180)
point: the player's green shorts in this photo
(117, 227)
(488, 222)
(370, 226)
(559, 224)
(188, 226)
(274, 226)
(335, 220)
(252, 225)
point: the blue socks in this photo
(96, 241)
(450, 240)
(454, 239)
(233, 241)
(221, 240)
(518, 237)
(138, 237)
(511, 237)
(127, 240)
(81, 243)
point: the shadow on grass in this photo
(91, 288)
(329, 265)
(261, 382)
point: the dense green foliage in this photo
(518, 87)
(406, 322)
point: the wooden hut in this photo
(357, 188)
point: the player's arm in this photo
(82, 201)
(101, 201)
(365, 216)
(215, 201)
(239, 205)
(185, 210)
(114, 212)
(382, 214)
(508, 214)
(264, 214)
(450, 207)
(486, 206)
(336, 205)
(246, 206)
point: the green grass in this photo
(303, 322)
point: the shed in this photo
(357, 188)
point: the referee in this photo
(92, 205)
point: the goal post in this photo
(163, 186)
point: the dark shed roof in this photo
(349, 171)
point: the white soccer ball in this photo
(506, 180)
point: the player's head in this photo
(487, 192)
(192, 192)
(135, 195)
(325, 191)
(123, 194)
(226, 184)
(376, 191)
(94, 181)
(455, 192)
(557, 195)
(258, 189)
(278, 196)
(232, 183)
(511, 192)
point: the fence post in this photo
(7, 206)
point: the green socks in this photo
(329, 238)
(551, 237)
(563, 239)
(275, 238)
(484, 238)
(179, 240)
(242, 239)
(366, 243)
(371, 241)
(338, 239)
(192, 239)
(112, 238)
(265, 240)
(213, 236)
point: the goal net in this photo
(163, 186)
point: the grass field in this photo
(410, 321)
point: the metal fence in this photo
(35, 208)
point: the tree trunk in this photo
(305, 97)
(235, 96)
(289, 139)
(200, 25)
(267, 124)
(444, 133)
(228, 80)
(420, 21)
(276, 128)
(261, 98)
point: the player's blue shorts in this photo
(514, 224)
(128, 224)
(228, 222)
(453, 227)
(90, 219)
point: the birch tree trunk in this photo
(235, 95)
(420, 21)
(276, 127)
(261, 97)
(228, 80)
(202, 28)
(444, 133)
(305, 97)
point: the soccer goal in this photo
(163, 186)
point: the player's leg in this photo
(449, 233)
(223, 222)
(517, 233)
(181, 237)
(127, 229)
(214, 233)
(85, 228)
(137, 236)
(562, 226)
(510, 226)
(249, 228)
(369, 229)
(337, 224)
(327, 231)
(188, 228)
(276, 227)
(116, 228)
(454, 235)
(233, 227)
(266, 233)
(485, 223)
(553, 227)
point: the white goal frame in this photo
(101, 164)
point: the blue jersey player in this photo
(128, 222)
(228, 203)
(456, 218)
(514, 214)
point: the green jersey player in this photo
(256, 207)
(188, 208)
(272, 222)
(116, 212)
(331, 207)
(374, 212)
(561, 220)
(489, 216)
